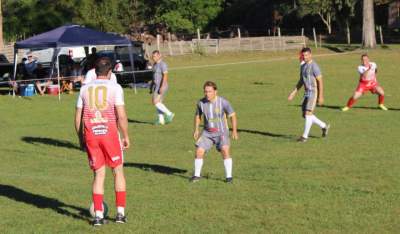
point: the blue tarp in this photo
(70, 36)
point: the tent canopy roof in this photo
(69, 36)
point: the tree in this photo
(1, 28)
(368, 32)
(345, 11)
(324, 8)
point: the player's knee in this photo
(200, 153)
(225, 152)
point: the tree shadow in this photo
(341, 48)
(139, 122)
(43, 202)
(50, 141)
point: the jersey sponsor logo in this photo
(100, 130)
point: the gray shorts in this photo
(156, 89)
(207, 140)
(309, 102)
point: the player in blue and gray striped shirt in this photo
(215, 110)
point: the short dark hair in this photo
(210, 84)
(103, 66)
(156, 52)
(364, 55)
(306, 49)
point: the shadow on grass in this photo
(156, 168)
(341, 48)
(43, 202)
(139, 122)
(268, 134)
(50, 141)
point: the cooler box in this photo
(26, 90)
(52, 89)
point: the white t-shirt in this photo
(371, 75)
(91, 75)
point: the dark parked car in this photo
(6, 70)
(143, 72)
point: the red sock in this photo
(351, 102)
(98, 202)
(381, 99)
(120, 198)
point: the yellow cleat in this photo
(346, 108)
(383, 107)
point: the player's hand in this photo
(235, 135)
(126, 143)
(196, 134)
(292, 95)
(321, 101)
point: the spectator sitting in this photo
(91, 59)
(30, 66)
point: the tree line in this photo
(23, 18)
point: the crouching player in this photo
(368, 82)
(100, 113)
(214, 109)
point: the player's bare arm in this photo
(123, 125)
(320, 84)
(294, 92)
(233, 118)
(197, 121)
(78, 126)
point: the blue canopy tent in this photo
(70, 36)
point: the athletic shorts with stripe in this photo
(207, 140)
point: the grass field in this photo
(347, 183)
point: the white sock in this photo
(161, 107)
(161, 118)
(198, 164)
(307, 125)
(99, 213)
(228, 167)
(121, 210)
(318, 122)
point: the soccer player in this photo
(159, 89)
(100, 113)
(215, 110)
(311, 78)
(368, 82)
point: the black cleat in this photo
(302, 139)
(120, 218)
(194, 179)
(229, 180)
(325, 130)
(97, 221)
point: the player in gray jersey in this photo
(159, 88)
(311, 79)
(215, 110)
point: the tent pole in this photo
(15, 69)
(132, 65)
(58, 77)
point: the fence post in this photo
(381, 35)
(315, 38)
(239, 37)
(302, 32)
(169, 44)
(216, 47)
(320, 41)
(180, 47)
(158, 42)
(280, 38)
(348, 35)
(269, 32)
(198, 34)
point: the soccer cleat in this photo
(97, 221)
(158, 122)
(325, 130)
(169, 118)
(194, 179)
(346, 108)
(229, 180)
(302, 139)
(383, 107)
(120, 218)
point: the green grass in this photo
(348, 183)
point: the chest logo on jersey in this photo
(98, 118)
